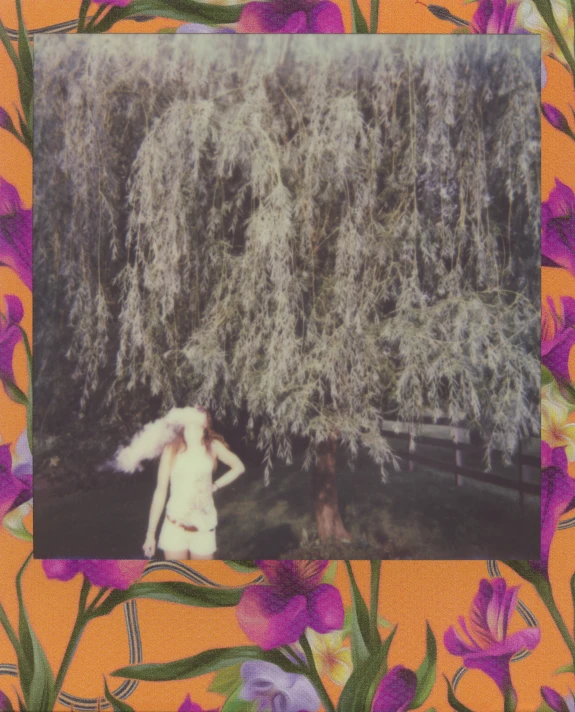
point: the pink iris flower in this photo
(292, 599)
(15, 233)
(10, 335)
(557, 336)
(189, 706)
(291, 17)
(488, 646)
(15, 486)
(100, 572)
(396, 691)
(558, 227)
(496, 17)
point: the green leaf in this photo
(13, 523)
(330, 572)
(523, 568)
(359, 25)
(544, 707)
(384, 623)
(10, 49)
(244, 566)
(360, 687)
(234, 703)
(84, 7)
(184, 10)
(26, 79)
(186, 594)
(570, 668)
(226, 680)
(426, 671)
(36, 678)
(359, 623)
(546, 376)
(15, 393)
(117, 705)
(203, 663)
(453, 701)
(380, 655)
(461, 30)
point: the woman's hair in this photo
(210, 435)
(150, 442)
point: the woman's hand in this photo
(149, 546)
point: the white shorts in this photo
(174, 538)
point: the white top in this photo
(191, 502)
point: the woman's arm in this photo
(161, 491)
(228, 458)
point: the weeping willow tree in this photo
(307, 234)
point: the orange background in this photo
(412, 592)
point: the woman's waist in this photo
(187, 511)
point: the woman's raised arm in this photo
(228, 458)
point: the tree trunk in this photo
(327, 516)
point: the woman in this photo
(190, 451)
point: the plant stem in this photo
(374, 16)
(543, 588)
(510, 701)
(314, 676)
(374, 600)
(96, 15)
(81, 620)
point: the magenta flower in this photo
(558, 227)
(496, 17)
(15, 486)
(100, 572)
(556, 118)
(396, 691)
(15, 233)
(490, 649)
(557, 336)
(189, 706)
(291, 17)
(5, 704)
(275, 690)
(556, 702)
(557, 498)
(117, 3)
(10, 335)
(279, 611)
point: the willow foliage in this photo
(314, 233)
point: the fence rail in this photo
(459, 470)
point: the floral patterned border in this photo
(292, 636)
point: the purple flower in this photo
(189, 706)
(291, 17)
(15, 233)
(278, 612)
(117, 3)
(555, 117)
(5, 704)
(396, 691)
(490, 649)
(14, 489)
(557, 498)
(496, 17)
(10, 335)
(558, 227)
(100, 572)
(276, 690)
(557, 336)
(195, 28)
(556, 702)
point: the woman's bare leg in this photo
(209, 557)
(176, 555)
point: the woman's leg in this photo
(176, 555)
(208, 557)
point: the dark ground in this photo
(82, 513)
